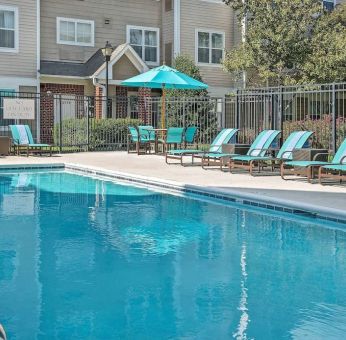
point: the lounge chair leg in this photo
(282, 171)
(309, 173)
(251, 168)
(320, 175)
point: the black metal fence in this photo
(83, 123)
(318, 108)
(86, 123)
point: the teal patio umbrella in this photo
(164, 77)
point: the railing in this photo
(80, 123)
(318, 108)
(83, 123)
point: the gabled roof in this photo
(95, 66)
(72, 69)
(121, 50)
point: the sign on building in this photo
(17, 108)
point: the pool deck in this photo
(267, 186)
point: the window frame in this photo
(143, 29)
(210, 32)
(76, 22)
(331, 1)
(14, 49)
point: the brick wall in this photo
(144, 107)
(98, 102)
(121, 100)
(47, 106)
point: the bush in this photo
(103, 133)
(322, 129)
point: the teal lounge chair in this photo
(174, 137)
(22, 139)
(139, 138)
(224, 137)
(190, 136)
(307, 167)
(337, 171)
(258, 149)
(296, 140)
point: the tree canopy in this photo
(289, 42)
(186, 65)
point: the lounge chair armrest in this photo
(286, 152)
(266, 150)
(320, 154)
(342, 160)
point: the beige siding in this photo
(120, 12)
(197, 14)
(124, 69)
(167, 35)
(23, 63)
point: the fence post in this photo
(88, 117)
(237, 113)
(281, 115)
(60, 123)
(334, 136)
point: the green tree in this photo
(283, 38)
(327, 61)
(186, 65)
(191, 107)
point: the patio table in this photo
(159, 133)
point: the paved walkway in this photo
(268, 186)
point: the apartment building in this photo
(19, 45)
(51, 45)
(145, 33)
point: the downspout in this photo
(97, 84)
(176, 30)
(38, 66)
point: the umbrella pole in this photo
(163, 108)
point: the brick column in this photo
(98, 102)
(144, 107)
(121, 101)
(47, 106)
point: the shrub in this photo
(322, 129)
(103, 133)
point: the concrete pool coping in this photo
(250, 199)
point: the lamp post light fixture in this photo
(107, 52)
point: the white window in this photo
(8, 29)
(146, 42)
(210, 47)
(75, 32)
(329, 4)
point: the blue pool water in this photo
(82, 258)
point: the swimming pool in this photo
(87, 258)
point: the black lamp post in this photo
(107, 52)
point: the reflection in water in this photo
(98, 260)
(244, 318)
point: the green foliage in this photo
(186, 65)
(322, 129)
(327, 61)
(103, 133)
(289, 42)
(191, 107)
